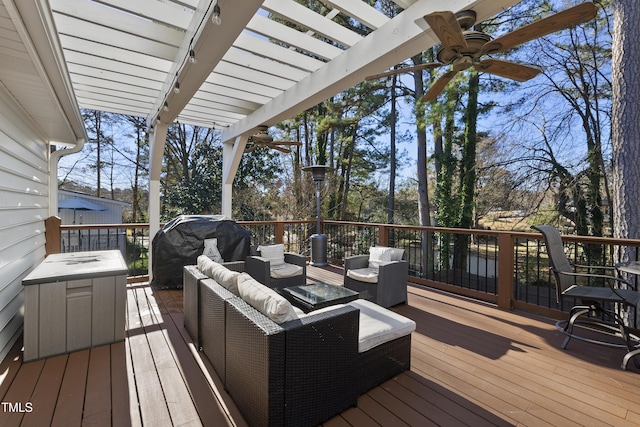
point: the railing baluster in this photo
(504, 267)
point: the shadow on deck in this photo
(472, 364)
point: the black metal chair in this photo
(608, 300)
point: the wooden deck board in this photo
(25, 383)
(472, 364)
(46, 390)
(208, 403)
(72, 392)
(97, 401)
(120, 401)
(179, 402)
(153, 406)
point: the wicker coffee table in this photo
(318, 295)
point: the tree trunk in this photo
(98, 123)
(468, 174)
(625, 126)
(421, 136)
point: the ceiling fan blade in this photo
(404, 70)
(295, 143)
(281, 149)
(438, 86)
(508, 69)
(561, 20)
(446, 27)
(250, 148)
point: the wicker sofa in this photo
(299, 372)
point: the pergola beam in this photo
(402, 37)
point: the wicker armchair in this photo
(260, 267)
(384, 284)
(299, 373)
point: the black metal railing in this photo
(509, 268)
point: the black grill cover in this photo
(181, 241)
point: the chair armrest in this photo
(595, 276)
(235, 266)
(609, 279)
(393, 269)
(259, 269)
(321, 365)
(293, 258)
(191, 276)
(255, 363)
(355, 262)
(299, 260)
(593, 267)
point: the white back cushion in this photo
(379, 255)
(265, 300)
(274, 253)
(218, 272)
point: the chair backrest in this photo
(557, 258)
(397, 254)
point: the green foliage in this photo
(193, 177)
(366, 237)
(137, 257)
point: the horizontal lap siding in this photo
(24, 205)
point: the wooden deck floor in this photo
(472, 364)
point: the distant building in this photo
(111, 215)
(84, 209)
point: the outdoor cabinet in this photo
(74, 301)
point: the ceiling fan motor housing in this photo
(475, 41)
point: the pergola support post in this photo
(157, 141)
(231, 156)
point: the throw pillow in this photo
(265, 300)
(274, 253)
(211, 250)
(379, 255)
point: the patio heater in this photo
(318, 240)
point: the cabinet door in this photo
(31, 322)
(104, 295)
(79, 304)
(52, 318)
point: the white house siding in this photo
(23, 209)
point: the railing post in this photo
(279, 232)
(506, 271)
(383, 235)
(52, 235)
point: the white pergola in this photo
(126, 56)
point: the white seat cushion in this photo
(379, 325)
(367, 274)
(265, 300)
(285, 270)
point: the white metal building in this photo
(112, 213)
